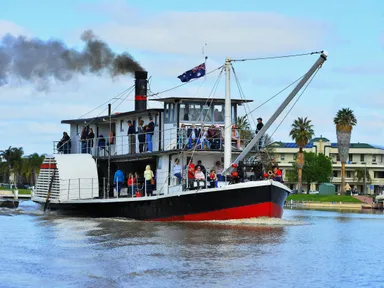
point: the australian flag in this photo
(197, 72)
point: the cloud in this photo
(226, 33)
(32, 119)
(7, 27)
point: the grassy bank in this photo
(323, 198)
(21, 191)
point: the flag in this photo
(197, 72)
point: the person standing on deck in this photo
(258, 128)
(149, 179)
(149, 131)
(131, 138)
(191, 173)
(83, 140)
(118, 180)
(141, 135)
(177, 170)
(90, 137)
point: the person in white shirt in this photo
(199, 175)
(177, 169)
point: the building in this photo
(361, 156)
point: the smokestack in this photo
(141, 90)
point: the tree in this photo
(318, 169)
(344, 121)
(31, 167)
(301, 132)
(13, 157)
(359, 174)
(242, 125)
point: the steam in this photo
(37, 61)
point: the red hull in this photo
(266, 209)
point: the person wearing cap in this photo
(149, 130)
(259, 126)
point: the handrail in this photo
(171, 139)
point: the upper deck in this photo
(172, 129)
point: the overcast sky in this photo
(167, 37)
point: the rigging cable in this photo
(276, 57)
(118, 95)
(302, 92)
(242, 95)
(115, 100)
(180, 85)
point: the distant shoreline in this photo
(327, 205)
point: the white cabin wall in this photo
(162, 174)
(170, 136)
(121, 128)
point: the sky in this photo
(169, 37)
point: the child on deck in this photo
(213, 178)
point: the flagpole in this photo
(205, 60)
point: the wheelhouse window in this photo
(166, 113)
(362, 157)
(218, 113)
(350, 157)
(206, 113)
(121, 125)
(373, 158)
(195, 112)
(233, 112)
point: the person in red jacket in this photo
(131, 185)
(278, 175)
(191, 173)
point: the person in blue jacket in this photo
(118, 180)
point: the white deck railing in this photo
(170, 139)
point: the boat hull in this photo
(9, 203)
(241, 201)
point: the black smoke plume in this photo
(36, 60)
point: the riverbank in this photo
(325, 205)
(23, 193)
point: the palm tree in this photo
(301, 132)
(35, 161)
(13, 157)
(344, 121)
(242, 125)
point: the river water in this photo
(306, 248)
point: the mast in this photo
(307, 76)
(228, 116)
(109, 152)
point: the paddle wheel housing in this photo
(75, 177)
